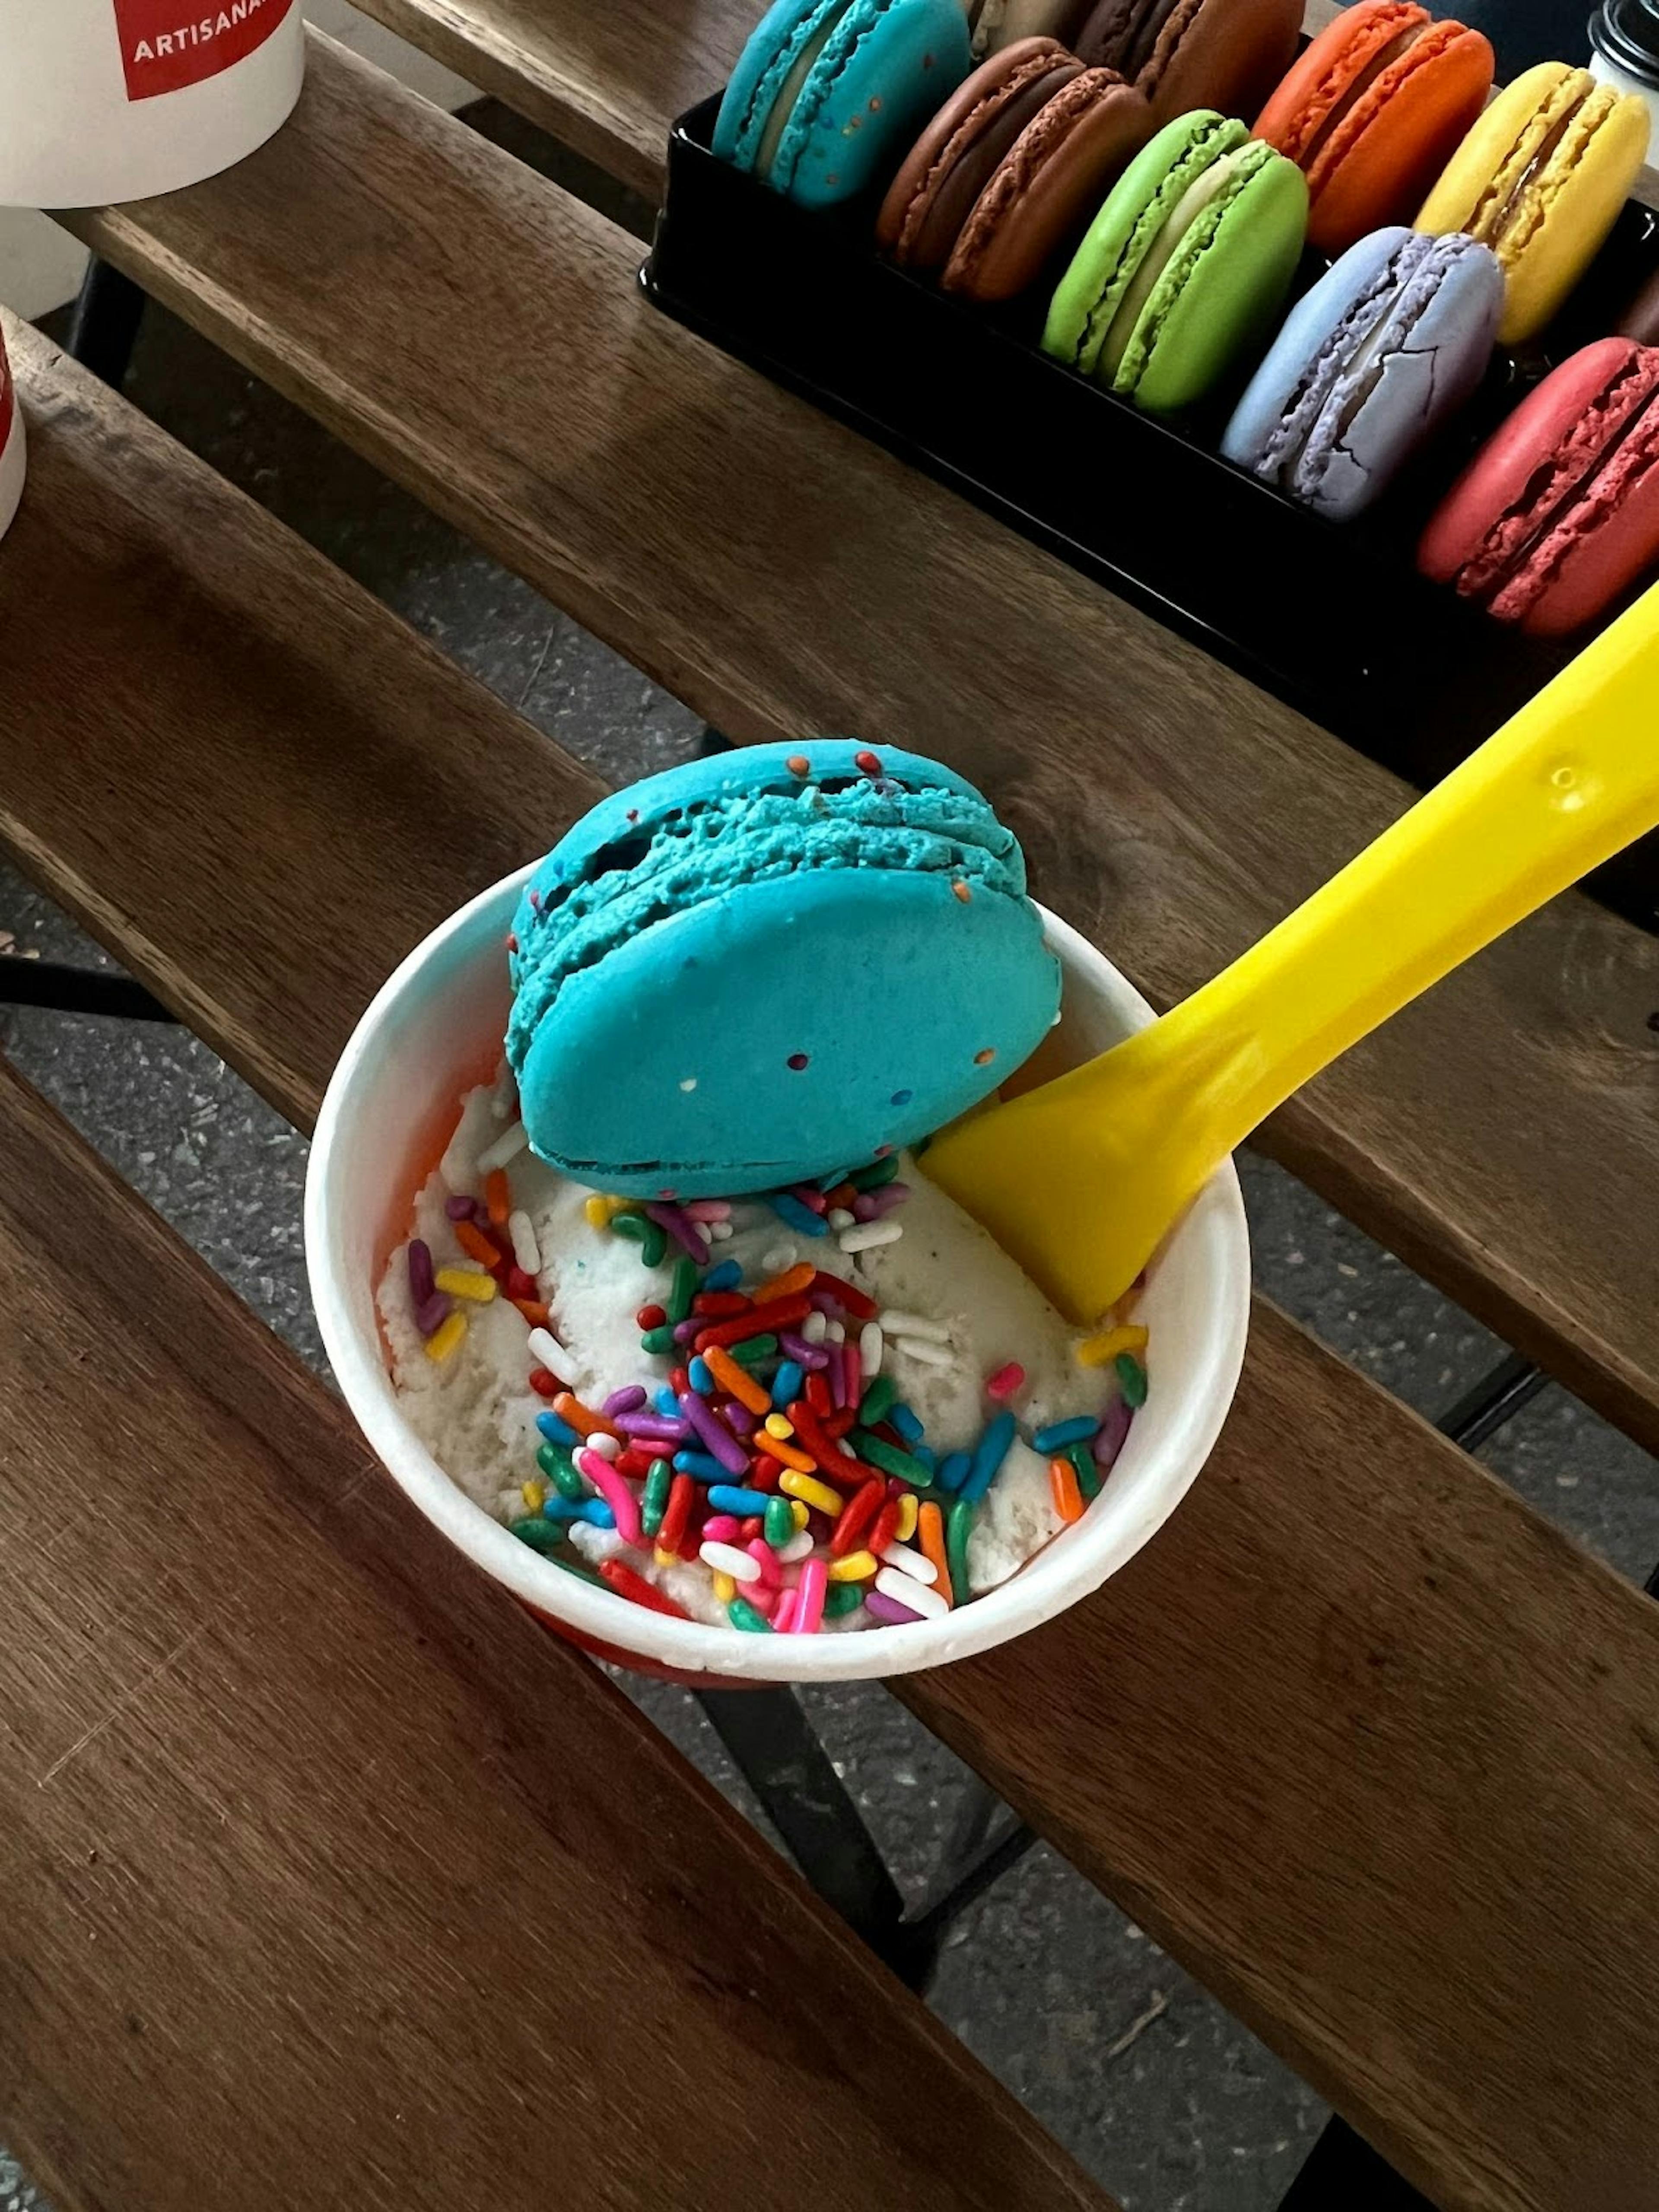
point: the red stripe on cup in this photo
(166, 44)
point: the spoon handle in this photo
(1570, 780)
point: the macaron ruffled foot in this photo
(1557, 516)
(1390, 344)
(827, 93)
(1541, 180)
(1177, 282)
(1373, 110)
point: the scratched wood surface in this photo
(782, 576)
(1364, 1742)
(259, 705)
(609, 76)
(323, 1870)
(1335, 1738)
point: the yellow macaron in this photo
(1541, 180)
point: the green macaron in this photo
(1183, 272)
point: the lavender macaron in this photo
(1391, 342)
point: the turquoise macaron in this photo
(1182, 273)
(827, 95)
(762, 969)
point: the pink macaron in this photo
(1557, 516)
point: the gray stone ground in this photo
(1147, 2079)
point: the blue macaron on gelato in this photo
(757, 970)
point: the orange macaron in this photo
(1372, 112)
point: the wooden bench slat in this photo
(1429, 1696)
(311, 716)
(321, 1859)
(607, 79)
(782, 576)
(610, 76)
(1318, 1739)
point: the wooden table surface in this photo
(324, 1871)
(1364, 1741)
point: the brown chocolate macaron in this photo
(962, 148)
(1012, 170)
(1184, 54)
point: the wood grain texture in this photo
(1359, 1728)
(276, 720)
(782, 576)
(324, 1868)
(609, 76)
(604, 76)
(1432, 1702)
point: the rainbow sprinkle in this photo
(764, 1436)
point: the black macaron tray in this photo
(1334, 619)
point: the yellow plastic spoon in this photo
(1081, 1179)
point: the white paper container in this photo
(116, 100)
(435, 1029)
(13, 458)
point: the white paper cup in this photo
(13, 458)
(434, 1030)
(116, 100)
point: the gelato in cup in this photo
(433, 1035)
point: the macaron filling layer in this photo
(1355, 92)
(1339, 379)
(1300, 126)
(1626, 471)
(794, 83)
(1179, 227)
(1516, 201)
(698, 853)
(1586, 474)
(786, 100)
(756, 130)
(955, 196)
(1044, 184)
(921, 229)
(1195, 162)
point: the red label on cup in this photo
(166, 44)
(7, 402)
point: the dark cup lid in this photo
(1627, 33)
